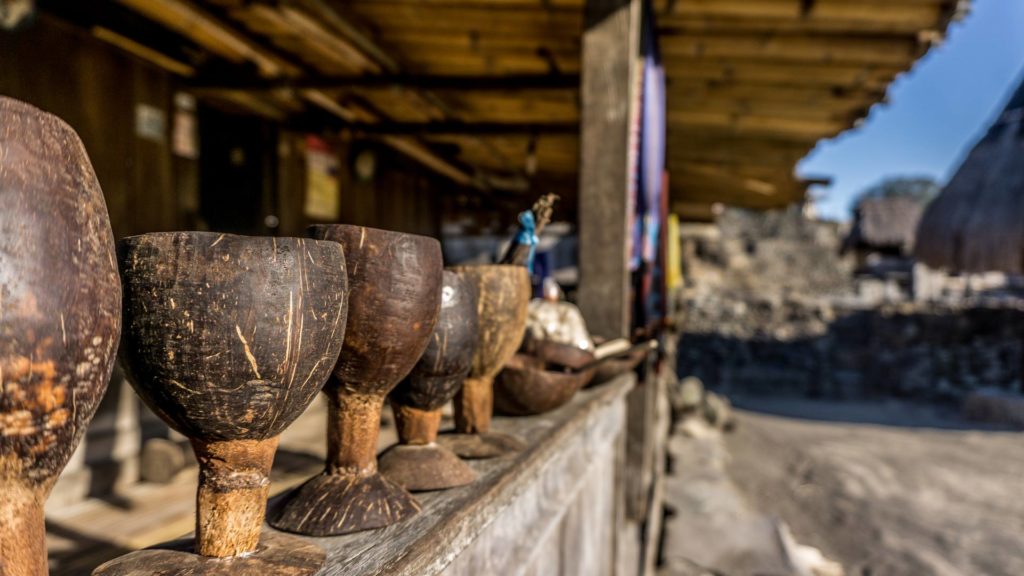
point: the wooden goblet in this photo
(60, 314)
(395, 283)
(417, 463)
(504, 295)
(228, 339)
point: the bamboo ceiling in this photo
(485, 91)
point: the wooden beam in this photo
(782, 127)
(870, 11)
(611, 48)
(455, 83)
(827, 109)
(419, 152)
(694, 211)
(483, 20)
(408, 146)
(707, 71)
(207, 30)
(896, 51)
(468, 128)
(144, 52)
(315, 32)
(331, 12)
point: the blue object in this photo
(527, 236)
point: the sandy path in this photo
(886, 500)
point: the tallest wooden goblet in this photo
(60, 304)
(228, 339)
(504, 296)
(395, 297)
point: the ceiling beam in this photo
(795, 48)
(419, 82)
(464, 128)
(206, 29)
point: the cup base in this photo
(277, 554)
(481, 446)
(424, 468)
(335, 504)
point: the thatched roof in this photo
(886, 223)
(977, 223)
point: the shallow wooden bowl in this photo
(614, 367)
(538, 382)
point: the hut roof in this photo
(977, 223)
(479, 90)
(886, 223)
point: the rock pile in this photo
(770, 309)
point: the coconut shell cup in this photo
(418, 463)
(504, 296)
(229, 339)
(541, 380)
(394, 301)
(60, 315)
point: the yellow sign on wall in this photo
(323, 194)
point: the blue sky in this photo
(935, 112)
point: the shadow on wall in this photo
(928, 353)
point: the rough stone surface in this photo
(771, 308)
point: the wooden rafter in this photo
(752, 84)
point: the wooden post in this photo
(611, 47)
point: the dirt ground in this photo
(937, 498)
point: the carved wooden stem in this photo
(416, 427)
(353, 424)
(473, 405)
(234, 481)
(22, 531)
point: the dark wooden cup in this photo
(417, 462)
(504, 296)
(541, 379)
(394, 299)
(60, 315)
(229, 339)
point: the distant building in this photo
(970, 237)
(882, 242)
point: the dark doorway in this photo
(237, 172)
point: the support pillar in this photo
(608, 151)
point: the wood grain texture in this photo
(395, 284)
(449, 354)
(611, 43)
(229, 339)
(417, 463)
(277, 555)
(538, 381)
(480, 528)
(59, 317)
(504, 296)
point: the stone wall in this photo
(771, 308)
(914, 350)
